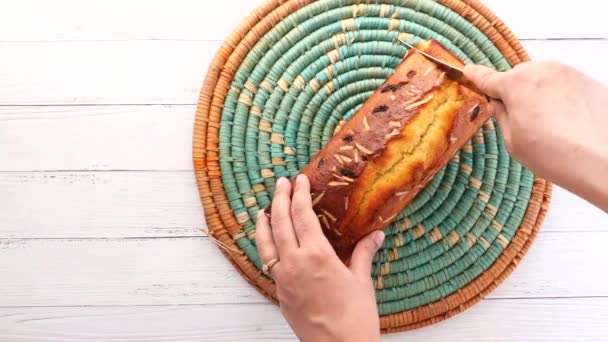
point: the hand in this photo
(320, 297)
(554, 120)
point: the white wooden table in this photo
(99, 213)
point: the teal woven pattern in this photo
(314, 69)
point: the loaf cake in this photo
(407, 131)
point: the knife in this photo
(451, 71)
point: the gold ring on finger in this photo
(267, 266)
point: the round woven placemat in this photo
(278, 89)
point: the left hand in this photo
(321, 298)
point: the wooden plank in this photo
(549, 19)
(160, 204)
(165, 72)
(29, 20)
(74, 20)
(151, 137)
(124, 72)
(569, 212)
(188, 271)
(100, 204)
(503, 320)
(584, 55)
(118, 272)
(157, 137)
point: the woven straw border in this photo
(223, 224)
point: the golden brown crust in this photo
(392, 147)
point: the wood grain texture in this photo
(80, 272)
(490, 320)
(73, 20)
(124, 72)
(100, 205)
(152, 137)
(119, 272)
(156, 137)
(160, 204)
(95, 86)
(166, 72)
(98, 20)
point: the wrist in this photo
(343, 334)
(588, 173)
(597, 183)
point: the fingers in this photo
(305, 221)
(500, 112)
(361, 259)
(264, 239)
(492, 83)
(502, 118)
(282, 226)
(487, 80)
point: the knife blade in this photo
(451, 71)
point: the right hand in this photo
(554, 120)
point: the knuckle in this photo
(522, 81)
(535, 74)
(316, 255)
(520, 76)
(485, 78)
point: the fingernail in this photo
(281, 182)
(260, 214)
(379, 238)
(299, 179)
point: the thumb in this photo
(361, 260)
(487, 80)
